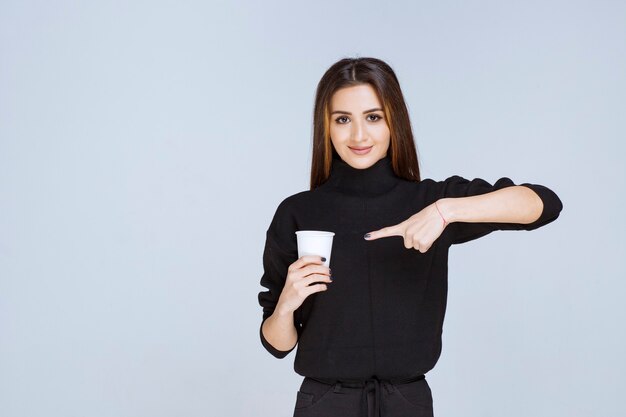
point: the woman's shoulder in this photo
(426, 183)
(429, 189)
(449, 178)
(290, 201)
(437, 184)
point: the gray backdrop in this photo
(146, 145)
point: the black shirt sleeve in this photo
(460, 232)
(280, 252)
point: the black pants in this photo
(370, 398)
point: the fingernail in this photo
(367, 235)
(323, 259)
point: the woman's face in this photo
(356, 122)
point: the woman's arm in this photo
(515, 204)
(473, 209)
(280, 251)
(279, 331)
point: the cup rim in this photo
(315, 232)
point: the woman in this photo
(370, 329)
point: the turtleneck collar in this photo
(374, 180)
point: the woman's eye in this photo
(341, 118)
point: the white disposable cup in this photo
(315, 242)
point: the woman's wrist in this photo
(281, 312)
(446, 207)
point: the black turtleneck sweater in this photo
(383, 313)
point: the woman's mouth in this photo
(360, 151)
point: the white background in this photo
(144, 147)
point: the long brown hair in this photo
(348, 72)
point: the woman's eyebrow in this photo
(347, 112)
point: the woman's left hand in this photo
(419, 231)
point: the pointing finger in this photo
(395, 230)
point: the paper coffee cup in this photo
(315, 242)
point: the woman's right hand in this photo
(306, 270)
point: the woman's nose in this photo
(358, 131)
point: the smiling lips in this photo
(360, 151)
